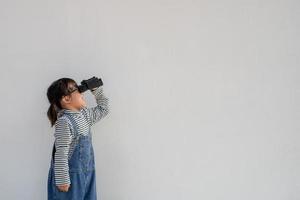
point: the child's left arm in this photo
(98, 112)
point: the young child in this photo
(72, 171)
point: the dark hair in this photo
(55, 92)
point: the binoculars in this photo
(90, 84)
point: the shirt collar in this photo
(68, 111)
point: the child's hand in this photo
(63, 188)
(94, 89)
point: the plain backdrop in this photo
(204, 95)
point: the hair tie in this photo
(53, 105)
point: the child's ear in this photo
(66, 99)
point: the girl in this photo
(72, 171)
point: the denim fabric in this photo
(81, 170)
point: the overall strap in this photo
(74, 124)
(75, 127)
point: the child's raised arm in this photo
(63, 139)
(96, 113)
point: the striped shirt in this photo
(64, 132)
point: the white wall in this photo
(204, 95)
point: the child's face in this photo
(75, 100)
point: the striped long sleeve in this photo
(63, 139)
(94, 114)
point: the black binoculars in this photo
(90, 84)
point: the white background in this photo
(204, 95)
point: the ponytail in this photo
(52, 114)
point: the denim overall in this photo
(81, 170)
